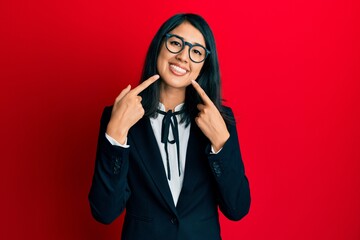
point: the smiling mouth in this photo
(177, 70)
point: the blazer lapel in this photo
(147, 147)
(194, 161)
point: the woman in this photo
(168, 150)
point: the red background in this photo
(290, 70)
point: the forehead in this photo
(189, 33)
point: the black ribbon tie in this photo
(170, 120)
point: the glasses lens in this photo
(197, 53)
(174, 44)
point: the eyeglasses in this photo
(176, 44)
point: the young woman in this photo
(168, 151)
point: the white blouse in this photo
(176, 181)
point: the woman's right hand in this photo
(127, 110)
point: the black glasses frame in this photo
(184, 43)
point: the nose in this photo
(183, 55)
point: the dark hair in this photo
(208, 79)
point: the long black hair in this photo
(208, 79)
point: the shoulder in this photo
(108, 109)
(226, 109)
(228, 114)
(106, 114)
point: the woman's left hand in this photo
(210, 121)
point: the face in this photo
(177, 70)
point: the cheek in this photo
(196, 70)
(162, 60)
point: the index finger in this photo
(201, 92)
(142, 86)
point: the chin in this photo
(177, 82)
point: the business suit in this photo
(134, 178)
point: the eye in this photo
(175, 43)
(198, 51)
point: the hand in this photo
(210, 120)
(127, 110)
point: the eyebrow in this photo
(193, 43)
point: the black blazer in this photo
(134, 178)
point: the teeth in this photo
(178, 69)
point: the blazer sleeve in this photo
(109, 191)
(229, 173)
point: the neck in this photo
(171, 97)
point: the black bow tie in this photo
(165, 129)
